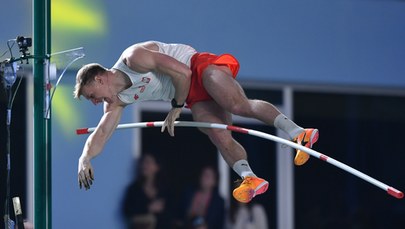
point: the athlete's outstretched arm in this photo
(146, 58)
(95, 143)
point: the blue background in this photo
(311, 42)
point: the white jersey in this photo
(151, 85)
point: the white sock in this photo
(243, 169)
(283, 123)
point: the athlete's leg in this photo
(233, 153)
(209, 111)
(227, 92)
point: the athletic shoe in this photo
(249, 188)
(307, 139)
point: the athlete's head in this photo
(85, 76)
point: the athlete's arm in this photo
(96, 141)
(147, 58)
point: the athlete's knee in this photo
(215, 70)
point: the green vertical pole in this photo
(41, 143)
(48, 121)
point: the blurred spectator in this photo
(247, 216)
(145, 200)
(202, 207)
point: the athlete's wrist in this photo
(175, 104)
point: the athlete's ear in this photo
(98, 79)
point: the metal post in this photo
(48, 120)
(285, 171)
(41, 141)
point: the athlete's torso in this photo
(152, 85)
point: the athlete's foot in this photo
(249, 188)
(307, 139)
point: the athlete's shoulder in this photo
(139, 50)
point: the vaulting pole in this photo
(42, 144)
(390, 190)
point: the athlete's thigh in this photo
(210, 111)
(222, 87)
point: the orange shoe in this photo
(250, 187)
(307, 139)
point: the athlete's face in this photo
(97, 91)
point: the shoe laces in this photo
(246, 180)
(283, 146)
(302, 142)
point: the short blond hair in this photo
(86, 75)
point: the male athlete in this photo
(178, 73)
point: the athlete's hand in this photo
(85, 172)
(174, 113)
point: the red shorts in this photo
(199, 62)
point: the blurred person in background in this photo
(146, 198)
(247, 216)
(202, 206)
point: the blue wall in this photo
(345, 42)
(349, 42)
